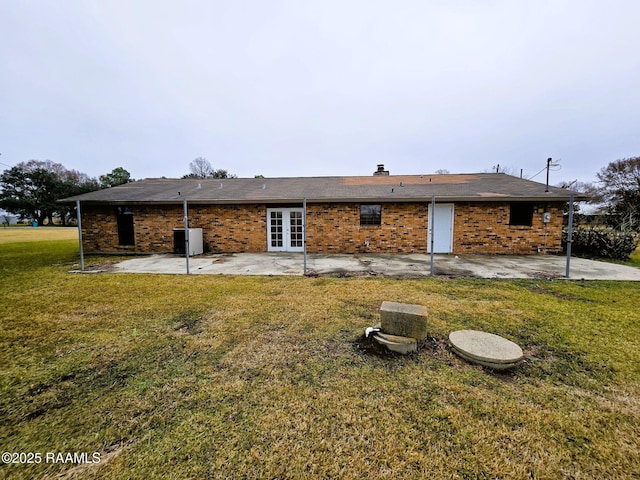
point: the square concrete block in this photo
(404, 319)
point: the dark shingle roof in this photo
(392, 188)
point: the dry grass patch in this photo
(270, 377)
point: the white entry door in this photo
(442, 223)
(285, 229)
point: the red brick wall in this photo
(335, 227)
(225, 228)
(484, 228)
(331, 228)
(231, 228)
(100, 231)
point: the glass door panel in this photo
(276, 229)
(296, 229)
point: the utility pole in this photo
(548, 165)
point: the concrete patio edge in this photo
(391, 265)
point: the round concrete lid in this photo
(485, 347)
(492, 366)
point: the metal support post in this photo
(569, 236)
(304, 233)
(431, 228)
(186, 235)
(79, 216)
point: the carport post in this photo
(431, 225)
(304, 233)
(569, 235)
(80, 235)
(186, 235)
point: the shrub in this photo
(601, 243)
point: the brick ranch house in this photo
(474, 213)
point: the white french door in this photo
(285, 229)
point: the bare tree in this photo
(200, 168)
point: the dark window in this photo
(125, 226)
(370, 214)
(521, 214)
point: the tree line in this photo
(31, 189)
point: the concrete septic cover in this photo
(486, 349)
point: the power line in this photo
(5, 164)
(531, 178)
(544, 168)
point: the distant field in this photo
(38, 234)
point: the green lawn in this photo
(634, 261)
(270, 377)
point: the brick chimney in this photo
(381, 170)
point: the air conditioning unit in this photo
(195, 241)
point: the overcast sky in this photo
(315, 88)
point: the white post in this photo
(186, 235)
(79, 216)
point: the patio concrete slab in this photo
(393, 265)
